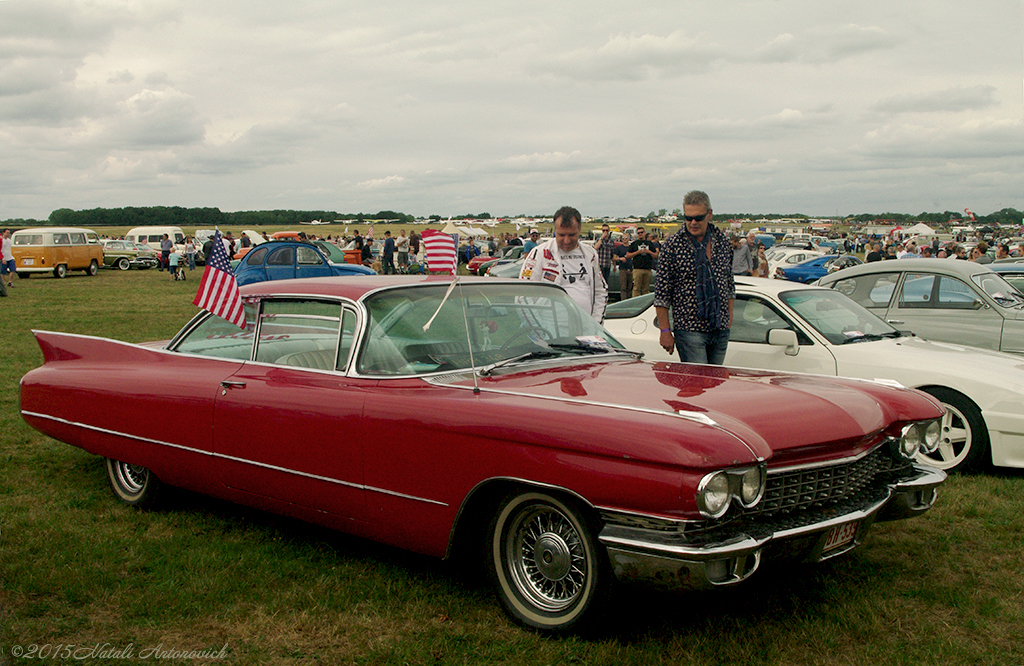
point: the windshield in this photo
(999, 289)
(475, 325)
(837, 317)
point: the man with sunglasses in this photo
(563, 260)
(695, 280)
(643, 251)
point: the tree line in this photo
(202, 218)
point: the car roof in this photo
(1007, 268)
(355, 287)
(770, 287)
(956, 267)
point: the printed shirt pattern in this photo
(675, 286)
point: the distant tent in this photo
(918, 229)
(453, 230)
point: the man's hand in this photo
(667, 342)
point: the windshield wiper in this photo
(868, 337)
(540, 353)
(581, 348)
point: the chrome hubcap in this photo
(547, 558)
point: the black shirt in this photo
(644, 261)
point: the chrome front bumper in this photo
(672, 559)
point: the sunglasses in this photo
(695, 218)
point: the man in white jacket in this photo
(562, 260)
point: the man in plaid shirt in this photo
(605, 247)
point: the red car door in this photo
(289, 425)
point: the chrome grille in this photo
(801, 489)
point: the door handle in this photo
(226, 384)
(888, 321)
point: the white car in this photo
(788, 256)
(783, 326)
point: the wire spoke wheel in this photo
(545, 562)
(547, 558)
(132, 484)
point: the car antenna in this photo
(465, 319)
(469, 338)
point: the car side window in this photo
(220, 338)
(753, 318)
(282, 256)
(348, 334)
(918, 291)
(61, 239)
(307, 256)
(299, 333)
(255, 258)
(78, 239)
(873, 290)
(955, 294)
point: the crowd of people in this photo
(910, 249)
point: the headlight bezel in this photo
(918, 438)
(744, 486)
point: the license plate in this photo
(28, 262)
(839, 536)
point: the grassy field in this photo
(77, 568)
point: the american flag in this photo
(218, 291)
(440, 251)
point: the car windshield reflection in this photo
(836, 317)
(419, 330)
(999, 289)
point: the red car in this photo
(509, 252)
(497, 419)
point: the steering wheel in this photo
(524, 332)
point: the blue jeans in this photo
(700, 347)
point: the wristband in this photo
(666, 330)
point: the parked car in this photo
(478, 265)
(285, 260)
(506, 268)
(334, 253)
(488, 420)
(781, 326)
(1012, 272)
(945, 300)
(123, 254)
(56, 250)
(812, 270)
(787, 256)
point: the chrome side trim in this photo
(696, 417)
(246, 461)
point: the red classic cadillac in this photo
(498, 417)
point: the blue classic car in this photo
(814, 269)
(285, 260)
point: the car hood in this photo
(915, 361)
(755, 415)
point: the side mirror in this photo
(784, 337)
(979, 304)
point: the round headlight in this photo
(932, 436)
(910, 442)
(713, 495)
(752, 486)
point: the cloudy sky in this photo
(467, 106)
